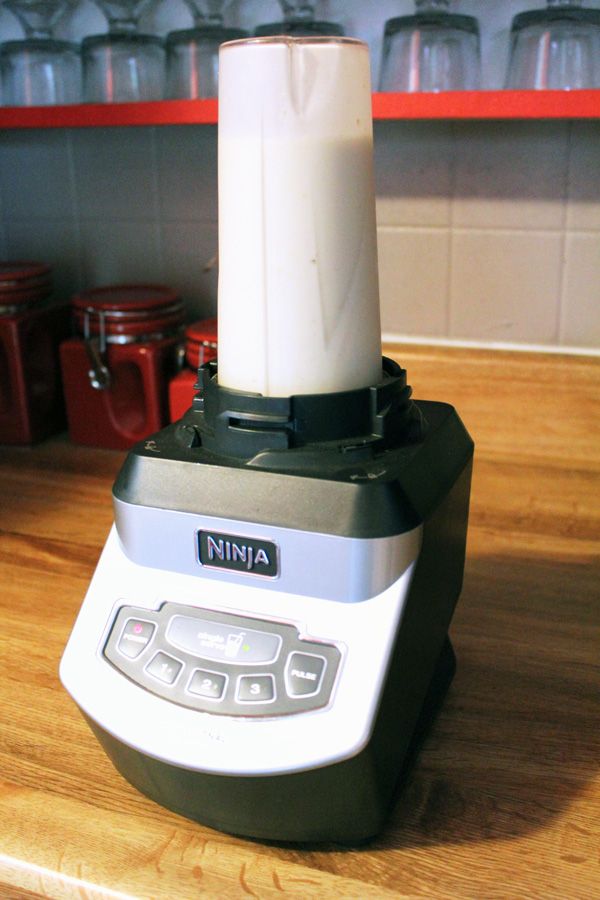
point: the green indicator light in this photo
(246, 647)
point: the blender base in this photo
(298, 807)
(378, 580)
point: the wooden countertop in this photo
(505, 798)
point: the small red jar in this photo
(200, 348)
(117, 370)
(31, 329)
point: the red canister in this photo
(117, 370)
(200, 348)
(31, 329)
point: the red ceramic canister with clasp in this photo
(32, 326)
(117, 370)
(200, 348)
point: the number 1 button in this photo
(255, 688)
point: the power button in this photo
(135, 637)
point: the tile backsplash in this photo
(488, 231)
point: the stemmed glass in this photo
(432, 50)
(40, 70)
(299, 21)
(123, 65)
(193, 54)
(555, 48)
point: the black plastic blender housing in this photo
(366, 463)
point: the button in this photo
(207, 684)
(255, 689)
(303, 674)
(164, 667)
(214, 640)
(135, 637)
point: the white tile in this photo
(54, 242)
(505, 286)
(35, 179)
(580, 320)
(510, 175)
(413, 172)
(123, 251)
(413, 279)
(190, 264)
(583, 209)
(187, 173)
(115, 173)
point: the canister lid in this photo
(35, 286)
(17, 272)
(23, 285)
(129, 311)
(134, 298)
(202, 330)
(25, 296)
(201, 342)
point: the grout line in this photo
(487, 229)
(158, 208)
(562, 299)
(3, 221)
(75, 207)
(389, 337)
(451, 229)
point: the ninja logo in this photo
(238, 554)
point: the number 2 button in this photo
(207, 684)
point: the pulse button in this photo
(135, 637)
(304, 674)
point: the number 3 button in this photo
(255, 689)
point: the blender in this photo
(265, 638)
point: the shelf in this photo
(451, 105)
(489, 105)
(93, 115)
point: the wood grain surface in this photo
(504, 801)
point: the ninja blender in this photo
(265, 638)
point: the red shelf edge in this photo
(93, 115)
(489, 105)
(584, 104)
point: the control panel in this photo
(222, 663)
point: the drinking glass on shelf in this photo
(557, 48)
(123, 65)
(193, 54)
(299, 21)
(432, 50)
(40, 70)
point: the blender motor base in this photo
(315, 805)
